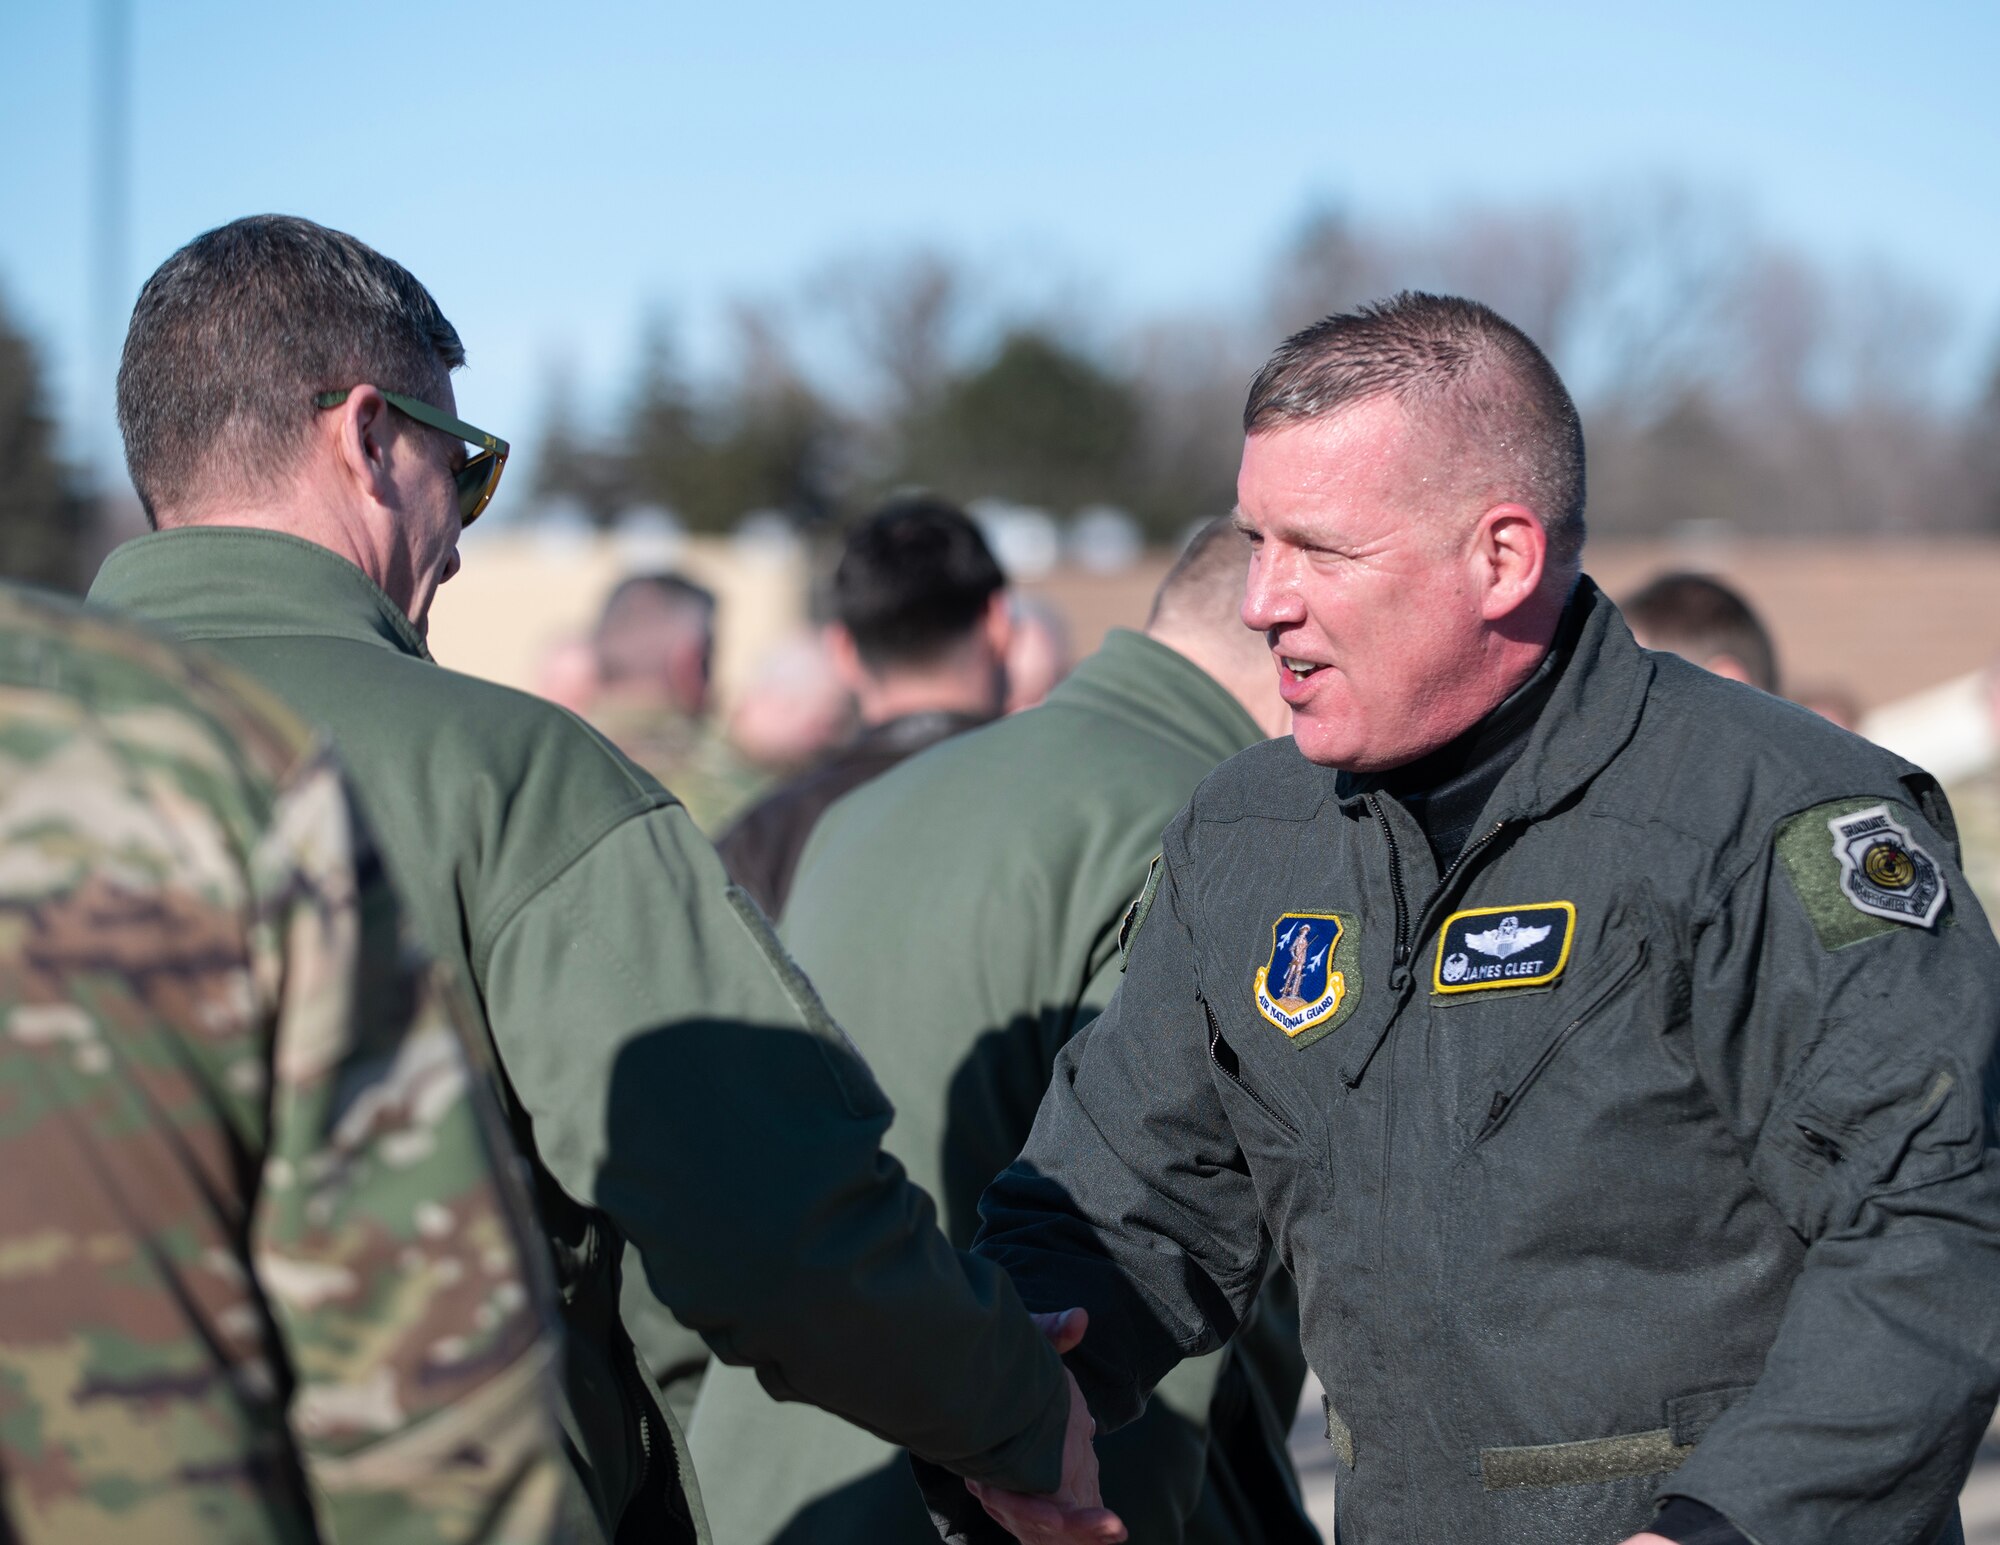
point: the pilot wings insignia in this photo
(1510, 938)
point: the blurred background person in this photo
(566, 674)
(1975, 801)
(654, 652)
(262, 1256)
(1704, 621)
(795, 708)
(919, 635)
(1039, 651)
(1833, 703)
(961, 991)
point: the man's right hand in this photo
(1075, 1514)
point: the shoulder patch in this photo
(1305, 987)
(1483, 948)
(1859, 872)
(1135, 915)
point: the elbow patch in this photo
(1862, 1121)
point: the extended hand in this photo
(1075, 1514)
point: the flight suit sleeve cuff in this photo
(1031, 1462)
(1688, 1522)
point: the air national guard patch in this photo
(1489, 947)
(1303, 987)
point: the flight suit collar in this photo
(214, 582)
(1159, 689)
(1591, 714)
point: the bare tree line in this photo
(1724, 377)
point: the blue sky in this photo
(553, 171)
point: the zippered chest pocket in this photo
(1512, 1078)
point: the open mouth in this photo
(1298, 669)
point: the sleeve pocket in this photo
(1862, 1120)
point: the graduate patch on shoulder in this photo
(1871, 877)
(1484, 948)
(1304, 987)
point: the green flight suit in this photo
(1645, 1149)
(962, 913)
(675, 1080)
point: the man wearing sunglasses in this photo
(672, 1079)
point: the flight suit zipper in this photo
(1395, 881)
(1231, 1069)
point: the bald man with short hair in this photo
(962, 915)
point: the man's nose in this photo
(1269, 601)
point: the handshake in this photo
(1075, 1513)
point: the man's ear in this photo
(846, 657)
(999, 623)
(361, 430)
(1511, 552)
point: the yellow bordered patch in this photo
(1297, 988)
(1491, 947)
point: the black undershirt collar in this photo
(1446, 791)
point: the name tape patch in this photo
(1518, 946)
(1299, 986)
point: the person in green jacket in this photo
(675, 1083)
(962, 913)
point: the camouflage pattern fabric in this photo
(690, 757)
(260, 1279)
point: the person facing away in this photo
(1632, 1141)
(655, 649)
(962, 911)
(1703, 620)
(266, 1278)
(919, 634)
(673, 1081)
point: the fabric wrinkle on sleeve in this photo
(683, 1078)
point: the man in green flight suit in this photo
(265, 1279)
(286, 402)
(962, 913)
(1630, 1129)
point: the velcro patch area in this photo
(1859, 872)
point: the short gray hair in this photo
(235, 334)
(1463, 369)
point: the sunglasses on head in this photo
(481, 473)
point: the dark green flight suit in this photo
(675, 1079)
(1648, 1151)
(961, 912)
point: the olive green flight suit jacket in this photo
(677, 1082)
(1649, 1149)
(962, 913)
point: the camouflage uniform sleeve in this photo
(388, 1240)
